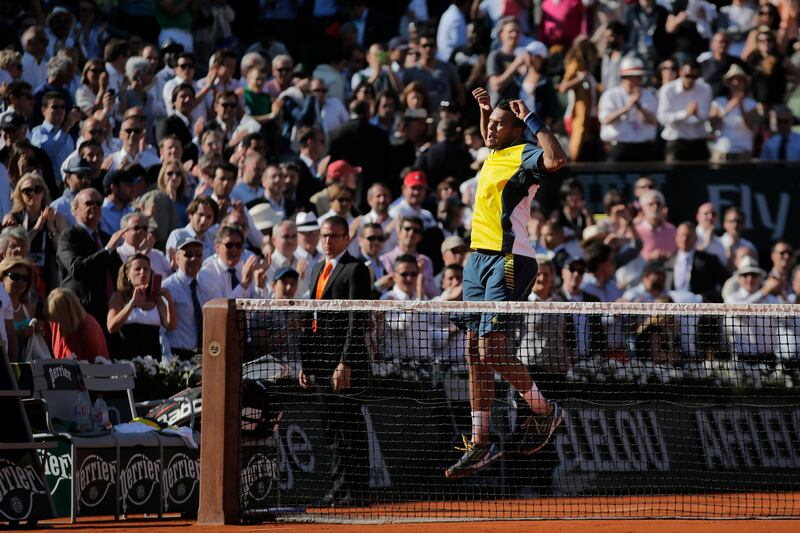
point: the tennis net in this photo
(664, 410)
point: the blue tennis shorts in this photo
(495, 277)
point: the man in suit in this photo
(693, 270)
(335, 359)
(179, 123)
(585, 332)
(87, 258)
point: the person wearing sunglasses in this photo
(409, 236)
(185, 69)
(683, 110)
(233, 272)
(17, 279)
(52, 135)
(186, 340)
(138, 239)
(133, 147)
(31, 210)
(371, 242)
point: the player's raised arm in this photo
(482, 97)
(554, 156)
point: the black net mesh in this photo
(642, 411)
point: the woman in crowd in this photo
(14, 242)
(22, 160)
(768, 18)
(138, 309)
(70, 330)
(581, 87)
(17, 276)
(30, 209)
(735, 117)
(769, 68)
(94, 82)
(173, 181)
(212, 141)
(415, 97)
(365, 92)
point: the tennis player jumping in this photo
(503, 268)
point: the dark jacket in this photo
(84, 268)
(706, 278)
(340, 335)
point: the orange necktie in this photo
(321, 282)
(323, 278)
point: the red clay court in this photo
(594, 514)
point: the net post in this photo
(222, 370)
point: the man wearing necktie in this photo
(335, 359)
(694, 271)
(86, 265)
(186, 339)
(784, 145)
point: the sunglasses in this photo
(185, 65)
(138, 228)
(409, 274)
(13, 276)
(282, 70)
(56, 106)
(172, 173)
(189, 255)
(93, 203)
(228, 105)
(232, 245)
(412, 229)
(30, 191)
(98, 70)
(134, 131)
(373, 238)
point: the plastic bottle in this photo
(83, 412)
(100, 410)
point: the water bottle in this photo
(100, 411)
(83, 412)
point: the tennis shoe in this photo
(476, 457)
(537, 430)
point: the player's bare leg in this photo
(538, 428)
(480, 452)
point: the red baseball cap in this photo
(415, 178)
(339, 168)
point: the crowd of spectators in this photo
(157, 154)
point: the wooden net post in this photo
(219, 448)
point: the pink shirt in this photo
(661, 237)
(562, 21)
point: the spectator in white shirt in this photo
(284, 239)
(308, 243)
(415, 185)
(784, 144)
(131, 133)
(227, 275)
(755, 336)
(683, 107)
(34, 60)
(735, 117)
(627, 115)
(139, 240)
(452, 31)
(115, 54)
(733, 222)
(707, 240)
